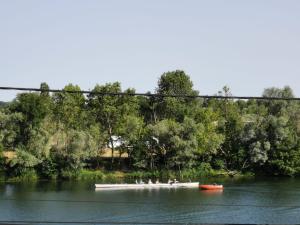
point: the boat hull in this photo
(145, 186)
(211, 187)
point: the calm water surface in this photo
(271, 201)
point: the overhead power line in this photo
(19, 222)
(153, 203)
(23, 222)
(149, 94)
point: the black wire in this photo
(86, 222)
(14, 222)
(152, 203)
(150, 95)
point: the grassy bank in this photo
(127, 176)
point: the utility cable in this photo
(149, 94)
(152, 203)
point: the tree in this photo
(105, 110)
(70, 155)
(10, 128)
(279, 106)
(131, 131)
(208, 136)
(69, 108)
(282, 132)
(230, 125)
(284, 154)
(45, 89)
(39, 143)
(174, 144)
(112, 112)
(258, 152)
(148, 107)
(33, 110)
(176, 83)
(22, 163)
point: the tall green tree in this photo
(106, 110)
(10, 128)
(230, 124)
(208, 136)
(174, 143)
(114, 112)
(69, 107)
(33, 109)
(176, 83)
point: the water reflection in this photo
(8, 190)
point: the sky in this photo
(247, 45)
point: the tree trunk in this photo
(110, 139)
(151, 162)
(180, 174)
(120, 154)
(112, 145)
(112, 149)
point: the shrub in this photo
(23, 163)
(91, 175)
(47, 169)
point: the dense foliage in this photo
(61, 133)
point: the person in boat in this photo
(141, 181)
(150, 181)
(157, 181)
(136, 182)
(172, 181)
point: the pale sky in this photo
(248, 45)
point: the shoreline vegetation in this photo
(128, 176)
(67, 135)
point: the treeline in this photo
(61, 133)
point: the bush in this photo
(47, 169)
(91, 175)
(68, 174)
(28, 175)
(82, 174)
(22, 164)
(205, 169)
(218, 164)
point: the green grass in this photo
(90, 175)
(30, 175)
(120, 176)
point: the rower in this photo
(150, 182)
(141, 181)
(172, 181)
(157, 181)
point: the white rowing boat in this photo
(146, 186)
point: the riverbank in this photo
(117, 176)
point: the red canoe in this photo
(210, 187)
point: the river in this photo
(247, 201)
